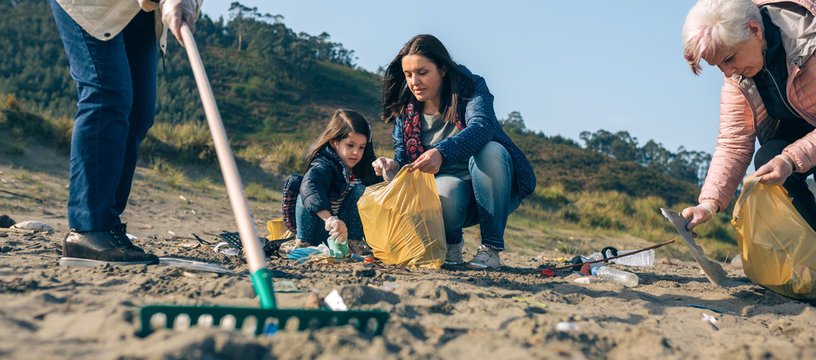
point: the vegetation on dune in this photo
(276, 89)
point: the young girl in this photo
(339, 169)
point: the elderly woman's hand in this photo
(776, 171)
(699, 214)
(429, 162)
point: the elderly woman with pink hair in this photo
(765, 50)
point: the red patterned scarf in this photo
(411, 131)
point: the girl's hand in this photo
(385, 167)
(776, 171)
(429, 162)
(337, 229)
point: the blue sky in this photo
(567, 66)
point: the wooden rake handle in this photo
(240, 208)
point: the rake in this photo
(268, 317)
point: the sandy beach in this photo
(51, 311)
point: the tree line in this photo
(267, 76)
(691, 166)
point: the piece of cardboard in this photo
(713, 271)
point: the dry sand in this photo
(50, 311)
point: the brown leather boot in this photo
(93, 248)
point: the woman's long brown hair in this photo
(456, 86)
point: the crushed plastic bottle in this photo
(337, 250)
(611, 274)
(644, 258)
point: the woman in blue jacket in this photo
(444, 124)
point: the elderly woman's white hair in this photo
(715, 25)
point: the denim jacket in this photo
(327, 178)
(480, 127)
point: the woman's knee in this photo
(492, 157)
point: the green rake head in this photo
(256, 320)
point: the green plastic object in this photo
(262, 282)
(338, 250)
(366, 321)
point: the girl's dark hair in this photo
(456, 86)
(343, 123)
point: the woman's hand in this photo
(429, 162)
(385, 167)
(776, 171)
(337, 229)
(699, 214)
(175, 12)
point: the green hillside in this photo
(275, 93)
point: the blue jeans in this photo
(486, 200)
(116, 90)
(311, 228)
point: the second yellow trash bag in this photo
(402, 220)
(778, 246)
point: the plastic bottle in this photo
(644, 258)
(338, 250)
(610, 274)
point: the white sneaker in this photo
(486, 258)
(454, 255)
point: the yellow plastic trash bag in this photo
(277, 230)
(402, 220)
(778, 246)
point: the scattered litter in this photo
(131, 237)
(182, 198)
(706, 307)
(390, 285)
(589, 280)
(711, 320)
(324, 249)
(302, 254)
(313, 300)
(189, 245)
(586, 269)
(566, 326)
(33, 225)
(224, 248)
(335, 302)
(194, 265)
(171, 232)
(547, 273)
(531, 302)
(644, 258)
(285, 286)
(270, 329)
(6, 221)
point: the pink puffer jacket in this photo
(743, 116)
